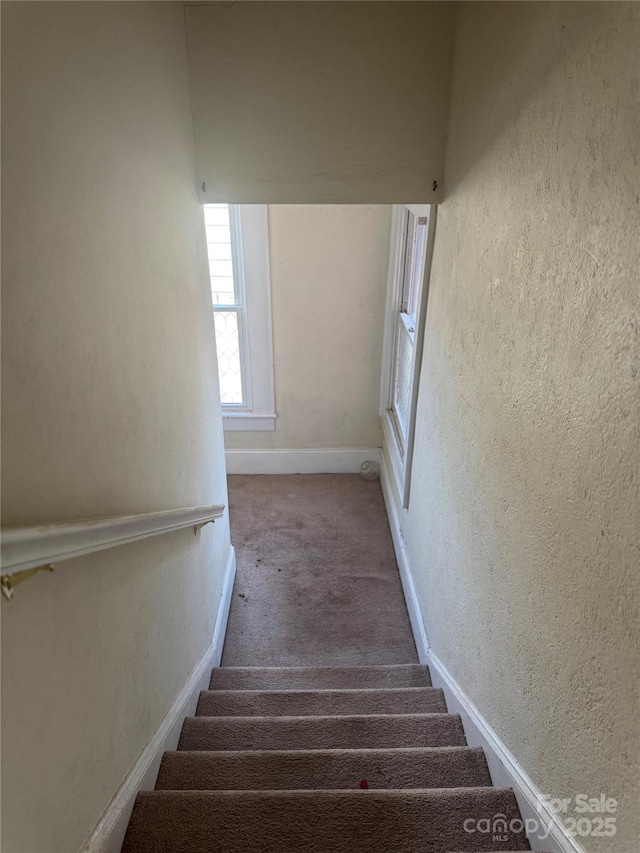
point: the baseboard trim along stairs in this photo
(327, 759)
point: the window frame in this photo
(249, 226)
(399, 445)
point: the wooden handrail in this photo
(25, 550)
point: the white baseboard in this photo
(505, 770)
(224, 606)
(336, 460)
(109, 833)
(402, 559)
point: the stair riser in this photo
(414, 768)
(246, 703)
(340, 822)
(225, 733)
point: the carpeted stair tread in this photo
(413, 821)
(245, 703)
(319, 677)
(442, 767)
(344, 732)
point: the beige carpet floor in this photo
(317, 582)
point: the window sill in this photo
(248, 422)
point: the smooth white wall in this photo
(110, 399)
(328, 280)
(320, 102)
(522, 528)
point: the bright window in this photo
(237, 246)
(412, 236)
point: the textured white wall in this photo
(320, 102)
(109, 399)
(328, 281)
(523, 522)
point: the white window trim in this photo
(250, 247)
(248, 422)
(401, 462)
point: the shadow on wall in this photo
(494, 100)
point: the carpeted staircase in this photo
(322, 760)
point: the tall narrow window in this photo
(412, 234)
(227, 304)
(237, 245)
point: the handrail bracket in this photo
(9, 582)
(197, 527)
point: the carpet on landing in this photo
(317, 581)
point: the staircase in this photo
(323, 760)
